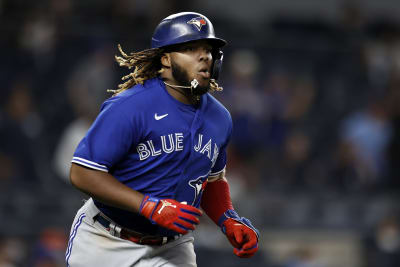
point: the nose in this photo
(205, 54)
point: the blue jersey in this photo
(156, 145)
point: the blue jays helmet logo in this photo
(198, 185)
(198, 22)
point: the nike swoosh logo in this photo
(160, 117)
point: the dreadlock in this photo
(147, 65)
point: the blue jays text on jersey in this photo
(156, 145)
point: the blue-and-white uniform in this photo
(156, 145)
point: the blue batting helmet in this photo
(184, 27)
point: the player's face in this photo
(192, 61)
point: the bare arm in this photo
(105, 188)
(219, 176)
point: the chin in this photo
(203, 82)
(205, 85)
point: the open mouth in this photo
(205, 73)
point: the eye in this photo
(189, 48)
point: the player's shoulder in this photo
(217, 106)
(218, 115)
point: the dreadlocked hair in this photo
(146, 65)
(214, 86)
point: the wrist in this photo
(231, 217)
(228, 214)
(148, 206)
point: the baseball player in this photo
(155, 154)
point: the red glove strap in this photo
(216, 199)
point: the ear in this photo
(166, 60)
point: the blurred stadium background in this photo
(313, 88)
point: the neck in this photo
(181, 94)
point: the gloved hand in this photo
(241, 234)
(170, 214)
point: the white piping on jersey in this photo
(216, 173)
(90, 164)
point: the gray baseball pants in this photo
(90, 244)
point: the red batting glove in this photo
(243, 239)
(170, 214)
(241, 234)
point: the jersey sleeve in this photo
(220, 163)
(109, 138)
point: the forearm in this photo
(105, 188)
(216, 198)
(217, 204)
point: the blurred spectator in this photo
(12, 252)
(87, 89)
(49, 251)
(243, 100)
(382, 246)
(364, 138)
(393, 100)
(276, 88)
(70, 138)
(38, 37)
(382, 55)
(287, 100)
(286, 137)
(20, 131)
(7, 169)
(303, 257)
(300, 99)
(296, 154)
